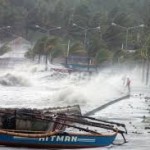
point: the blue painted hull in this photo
(60, 140)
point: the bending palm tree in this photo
(49, 46)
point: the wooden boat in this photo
(85, 138)
(55, 139)
(17, 119)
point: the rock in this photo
(147, 128)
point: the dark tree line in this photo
(108, 43)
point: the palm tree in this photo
(119, 56)
(44, 46)
(29, 54)
(4, 49)
(103, 56)
(77, 48)
(145, 56)
(38, 47)
(49, 46)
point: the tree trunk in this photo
(143, 70)
(66, 60)
(88, 62)
(46, 58)
(39, 59)
(147, 73)
(51, 59)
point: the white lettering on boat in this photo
(53, 138)
(74, 139)
(67, 139)
(59, 138)
(43, 139)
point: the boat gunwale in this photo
(50, 133)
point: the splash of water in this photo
(13, 80)
(39, 88)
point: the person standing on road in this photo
(128, 82)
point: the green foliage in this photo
(49, 45)
(87, 14)
(102, 56)
(77, 48)
(30, 54)
(4, 49)
(39, 46)
(44, 46)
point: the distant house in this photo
(82, 63)
(19, 47)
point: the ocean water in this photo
(29, 86)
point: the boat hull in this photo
(61, 140)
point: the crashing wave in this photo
(12, 80)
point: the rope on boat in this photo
(29, 135)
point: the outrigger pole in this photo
(48, 119)
(101, 120)
(85, 122)
(100, 125)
